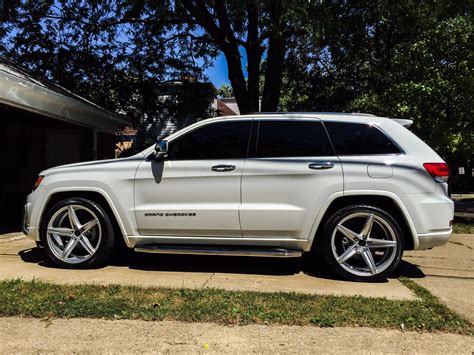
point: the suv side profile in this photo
(360, 188)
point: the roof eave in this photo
(26, 95)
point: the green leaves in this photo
(114, 53)
(402, 59)
(408, 59)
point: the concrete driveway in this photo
(97, 336)
(448, 272)
(20, 258)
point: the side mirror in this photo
(161, 149)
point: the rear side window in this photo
(359, 139)
(292, 139)
(223, 140)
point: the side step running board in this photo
(219, 250)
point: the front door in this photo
(195, 192)
(287, 179)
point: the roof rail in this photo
(313, 113)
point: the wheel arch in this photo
(389, 203)
(95, 195)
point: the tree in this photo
(225, 91)
(115, 53)
(150, 35)
(411, 59)
(262, 30)
(408, 59)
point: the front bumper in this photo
(25, 224)
(32, 213)
(434, 239)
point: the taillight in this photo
(38, 182)
(439, 171)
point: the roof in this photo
(231, 104)
(223, 109)
(402, 121)
(318, 113)
(332, 116)
(24, 90)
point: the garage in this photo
(44, 125)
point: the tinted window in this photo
(223, 140)
(359, 139)
(292, 139)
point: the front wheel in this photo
(77, 233)
(362, 243)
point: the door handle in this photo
(321, 165)
(223, 168)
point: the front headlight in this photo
(38, 182)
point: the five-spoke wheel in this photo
(77, 233)
(362, 243)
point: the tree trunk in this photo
(237, 79)
(275, 57)
(224, 38)
(253, 57)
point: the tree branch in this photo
(204, 18)
(224, 22)
(226, 43)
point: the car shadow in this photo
(409, 270)
(36, 256)
(206, 264)
(312, 265)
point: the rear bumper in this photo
(431, 217)
(435, 239)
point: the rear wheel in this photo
(362, 243)
(77, 233)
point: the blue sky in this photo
(218, 73)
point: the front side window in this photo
(359, 139)
(222, 140)
(278, 138)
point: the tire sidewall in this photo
(106, 244)
(327, 247)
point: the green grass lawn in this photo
(463, 227)
(46, 300)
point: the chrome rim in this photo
(364, 244)
(74, 234)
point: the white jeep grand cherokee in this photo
(362, 189)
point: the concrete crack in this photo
(207, 281)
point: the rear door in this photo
(289, 175)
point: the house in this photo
(173, 90)
(173, 105)
(227, 106)
(43, 125)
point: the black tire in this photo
(335, 243)
(104, 245)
